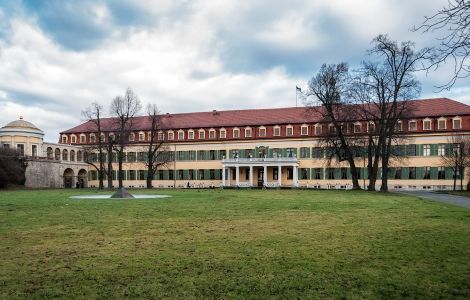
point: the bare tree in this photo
(390, 84)
(457, 157)
(452, 23)
(329, 88)
(12, 167)
(124, 108)
(93, 114)
(157, 150)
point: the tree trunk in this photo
(455, 180)
(150, 173)
(120, 173)
(110, 166)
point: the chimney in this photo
(215, 112)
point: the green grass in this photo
(232, 244)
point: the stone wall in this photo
(41, 173)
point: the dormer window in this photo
(92, 138)
(457, 123)
(236, 133)
(141, 136)
(180, 135)
(191, 134)
(212, 134)
(262, 131)
(399, 126)
(73, 139)
(277, 130)
(160, 136)
(131, 137)
(248, 132)
(82, 139)
(317, 129)
(202, 134)
(289, 130)
(427, 124)
(331, 129)
(103, 138)
(357, 127)
(171, 135)
(222, 133)
(441, 123)
(64, 139)
(412, 125)
(304, 130)
(371, 127)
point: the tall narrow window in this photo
(289, 131)
(262, 132)
(277, 131)
(236, 133)
(441, 123)
(317, 129)
(426, 150)
(456, 123)
(412, 125)
(427, 124)
(304, 130)
(248, 132)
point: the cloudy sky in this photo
(56, 57)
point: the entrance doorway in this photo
(260, 177)
(68, 178)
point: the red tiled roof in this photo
(272, 116)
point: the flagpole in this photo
(296, 95)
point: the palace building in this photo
(274, 148)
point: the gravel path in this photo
(451, 199)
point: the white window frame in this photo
(262, 129)
(291, 130)
(131, 137)
(73, 138)
(202, 134)
(170, 135)
(181, 135)
(82, 138)
(429, 121)
(212, 134)
(441, 149)
(190, 134)
(278, 129)
(64, 139)
(441, 119)
(92, 138)
(457, 119)
(222, 133)
(412, 122)
(302, 128)
(160, 136)
(237, 130)
(331, 128)
(248, 130)
(141, 136)
(426, 150)
(318, 129)
(360, 127)
(399, 126)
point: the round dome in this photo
(21, 124)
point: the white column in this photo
(251, 176)
(229, 176)
(223, 177)
(237, 175)
(296, 179)
(279, 175)
(265, 175)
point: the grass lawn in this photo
(232, 244)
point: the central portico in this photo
(269, 172)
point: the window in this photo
(456, 149)
(103, 138)
(427, 173)
(141, 136)
(456, 124)
(79, 155)
(73, 138)
(34, 150)
(180, 155)
(304, 130)
(82, 139)
(201, 155)
(160, 136)
(171, 174)
(290, 152)
(235, 153)
(399, 126)
(411, 150)
(212, 154)
(289, 130)
(249, 153)
(290, 174)
(277, 131)
(180, 175)
(212, 134)
(398, 173)
(357, 128)
(191, 174)
(247, 132)
(72, 155)
(212, 174)
(371, 127)
(303, 173)
(331, 129)
(65, 154)
(20, 149)
(92, 138)
(192, 155)
(222, 154)
(412, 125)
(317, 129)
(222, 133)
(262, 132)
(236, 133)
(344, 173)
(331, 173)
(305, 152)
(171, 135)
(441, 149)
(141, 156)
(427, 124)
(317, 152)
(441, 174)
(426, 150)
(275, 174)
(202, 134)
(131, 137)
(200, 174)
(131, 157)
(64, 139)
(160, 175)
(190, 135)
(441, 123)
(412, 173)
(317, 172)
(181, 135)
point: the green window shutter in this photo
(434, 149)
(391, 172)
(145, 174)
(296, 153)
(433, 172)
(242, 153)
(299, 173)
(419, 150)
(337, 173)
(218, 174)
(448, 149)
(166, 174)
(284, 152)
(256, 152)
(186, 174)
(449, 173)
(207, 174)
(322, 173)
(419, 173)
(270, 153)
(405, 173)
